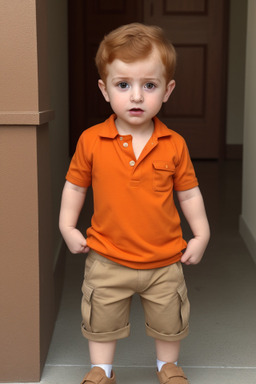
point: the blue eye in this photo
(150, 86)
(123, 85)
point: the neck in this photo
(135, 130)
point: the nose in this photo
(137, 96)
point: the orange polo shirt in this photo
(135, 221)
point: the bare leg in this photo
(167, 351)
(102, 353)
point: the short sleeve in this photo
(184, 177)
(80, 169)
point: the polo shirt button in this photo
(121, 138)
(125, 145)
(132, 163)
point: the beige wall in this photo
(248, 217)
(236, 71)
(27, 300)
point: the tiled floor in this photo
(221, 347)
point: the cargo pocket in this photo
(185, 305)
(86, 305)
(162, 175)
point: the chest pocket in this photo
(163, 172)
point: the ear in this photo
(103, 89)
(169, 88)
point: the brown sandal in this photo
(171, 374)
(97, 376)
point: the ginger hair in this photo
(134, 42)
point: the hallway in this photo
(222, 290)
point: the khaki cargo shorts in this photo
(108, 288)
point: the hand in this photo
(194, 251)
(75, 241)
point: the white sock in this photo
(161, 363)
(107, 368)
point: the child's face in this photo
(136, 90)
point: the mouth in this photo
(136, 110)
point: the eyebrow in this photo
(117, 78)
(145, 79)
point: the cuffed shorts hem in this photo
(162, 336)
(106, 336)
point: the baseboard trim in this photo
(248, 237)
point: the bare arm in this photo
(73, 198)
(192, 205)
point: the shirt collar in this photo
(109, 130)
(161, 130)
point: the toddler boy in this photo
(134, 163)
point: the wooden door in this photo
(198, 30)
(196, 109)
